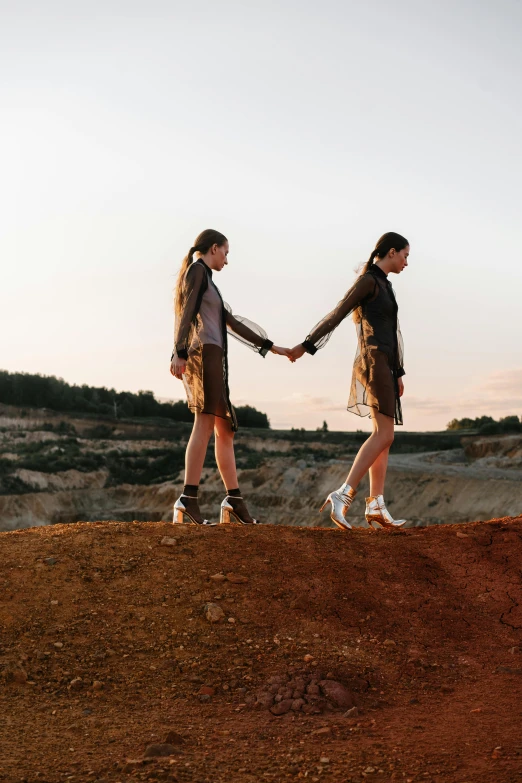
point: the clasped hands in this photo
(293, 354)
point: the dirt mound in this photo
(145, 651)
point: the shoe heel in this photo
(324, 504)
(178, 517)
(224, 517)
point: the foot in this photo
(377, 513)
(240, 509)
(340, 501)
(186, 509)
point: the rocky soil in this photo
(146, 651)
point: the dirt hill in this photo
(390, 656)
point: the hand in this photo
(296, 352)
(282, 352)
(400, 383)
(178, 367)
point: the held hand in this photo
(401, 386)
(296, 352)
(282, 352)
(178, 367)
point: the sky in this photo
(303, 131)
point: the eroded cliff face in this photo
(285, 477)
(278, 494)
(504, 451)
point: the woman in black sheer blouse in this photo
(377, 384)
(200, 359)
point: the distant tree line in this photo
(486, 425)
(40, 391)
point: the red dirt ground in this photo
(424, 626)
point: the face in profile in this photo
(220, 256)
(400, 259)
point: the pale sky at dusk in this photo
(301, 130)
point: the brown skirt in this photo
(204, 382)
(374, 386)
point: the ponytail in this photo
(185, 264)
(370, 261)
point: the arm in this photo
(248, 333)
(320, 334)
(400, 353)
(195, 285)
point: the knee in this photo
(225, 433)
(205, 425)
(385, 437)
(388, 439)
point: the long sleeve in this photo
(364, 287)
(195, 285)
(247, 332)
(400, 353)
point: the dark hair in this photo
(202, 245)
(388, 241)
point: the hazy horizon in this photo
(303, 132)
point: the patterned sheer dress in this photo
(200, 337)
(379, 359)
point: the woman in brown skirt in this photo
(377, 384)
(200, 359)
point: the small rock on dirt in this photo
(282, 708)
(213, 612)
(160, 750)
(336, 693)
(237, 579)
(352, 713)
(389, 643)
(264, 699)
(76, 684)
(218, 577)
(50, 560)
(173, 738)
(168, 541)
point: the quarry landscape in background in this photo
(57, 468)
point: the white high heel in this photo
(229, 513)
(376, 512)
(340, 501)
(180, 512)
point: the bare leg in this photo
(197, 447)
(380, 440)
(378, 474)
(226, 460)
(224, 448)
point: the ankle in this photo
(234, 493)
(190, 490)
